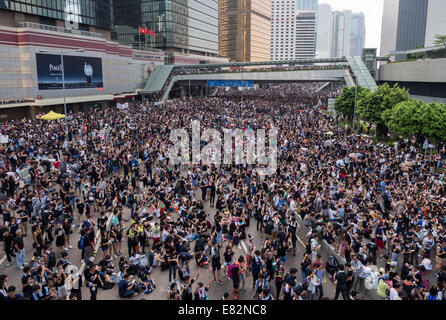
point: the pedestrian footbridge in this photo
(350, 70)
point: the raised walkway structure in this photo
(350, 70)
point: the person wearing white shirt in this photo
(394, 292)
(164, 235)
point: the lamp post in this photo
(63, 88)
(354, 108)
(241, 77)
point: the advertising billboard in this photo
(80, 72)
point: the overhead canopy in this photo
(52, 116)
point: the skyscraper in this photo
(408, 24)
(307, 5)
(305, 34)
(357, 34)
(244, 30)
(182, 26)
(324, 31)
(283, 29)
(341, 33)
(436, 23)
(86, 15)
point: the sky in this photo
(373, 11)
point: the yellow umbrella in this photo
(52, 116)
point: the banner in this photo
(80, 72)
(122, 106)
(230, 83)
(4, 139)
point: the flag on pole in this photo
(142, 30)
(150, 32)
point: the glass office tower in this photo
(97, 13)
(306, 5)
(189, 26)
(244, 30)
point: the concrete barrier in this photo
(326, 250)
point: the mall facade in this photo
(34, 34)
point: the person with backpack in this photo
(49, 256)
(85, 245)
(260, 284)
(201, 293)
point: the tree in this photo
(372, 104)
(414, 117)
(405, 118)
(433, 118)
(345, 102)
(440, 40)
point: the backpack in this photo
(80, 243)
(51, 260)
(332, 261)
(230, 269)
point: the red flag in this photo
(147, 31)
(152, 33)
(142, 30)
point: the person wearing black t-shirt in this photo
(27, 282)
(372, 250)
(8, 246)
(19, 249)
(212, 198)
(341, 278)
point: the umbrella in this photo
(52, 116)
(330, 133)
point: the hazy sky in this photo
(373, 11)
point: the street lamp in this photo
(354, 108)
(63, 88)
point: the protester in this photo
(112, 182)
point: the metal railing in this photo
(46, 27)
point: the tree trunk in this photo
(381, 130)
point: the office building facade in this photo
(307, 5)
(324, 31)
(305, 34)
(244, 30)
(435, 22)
(84, 15)
(341, 28)
(283, 29)
(357, 34)
(411, 24)
(180, 26)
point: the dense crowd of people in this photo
(376, 207)
(273, 68)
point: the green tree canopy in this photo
(440, 40)
(414, 117)
(345, 102)
(372, 104)
(405, 118)
(433, 118)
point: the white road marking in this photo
(97, 241)
(303, 244)
(244, 246)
